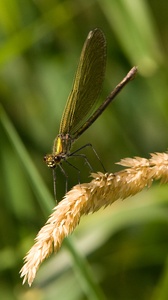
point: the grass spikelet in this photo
(86, 198)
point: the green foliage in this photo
(125, 246)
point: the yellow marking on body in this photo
(58, 148)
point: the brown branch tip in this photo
(86, 198)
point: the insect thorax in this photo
(62, 144)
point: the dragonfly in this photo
(79, 113)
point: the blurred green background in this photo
(117, 253)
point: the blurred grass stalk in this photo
(134, 27)
(35, 179)
(27, 36)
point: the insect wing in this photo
(87, 83)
